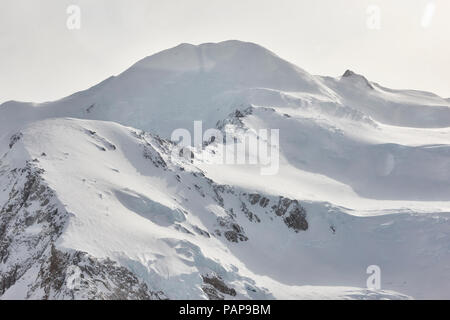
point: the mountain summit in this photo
(172, 88)
(97, 203)
(230, 64)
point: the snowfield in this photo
(94, 204)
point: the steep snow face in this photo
(123, 196)
(322, 156)
(31, 267)
(373, 171)
(171, 89)
(232, 64)
(406, 108)
(363, 180)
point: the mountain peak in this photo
(348, 73)
(231, 64)
(204, 57)
(357, 78)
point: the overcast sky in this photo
(41, 59)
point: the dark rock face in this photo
(282, 206)
(235, 117)
(60, 275)
(152, 148)
(16, 137)
(350, 73)
(234, 232)
(215, 288)
(90, 108)
(201, 232)
(26, 190)
(69, 274)
(250, 215)
(255, 198)
(100, 142)
(78, 276)
(154, 157)
(297, 219)
(294, 214)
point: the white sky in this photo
(40, 59)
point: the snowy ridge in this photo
(165, 222)
(95, 206)
(31, 267)
(187, 83)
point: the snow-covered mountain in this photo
(94, 204)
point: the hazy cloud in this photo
(41, 59)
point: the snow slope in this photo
(178, 86)
(364, 180)
(350, 163)
(126, 200)
(171, 89)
